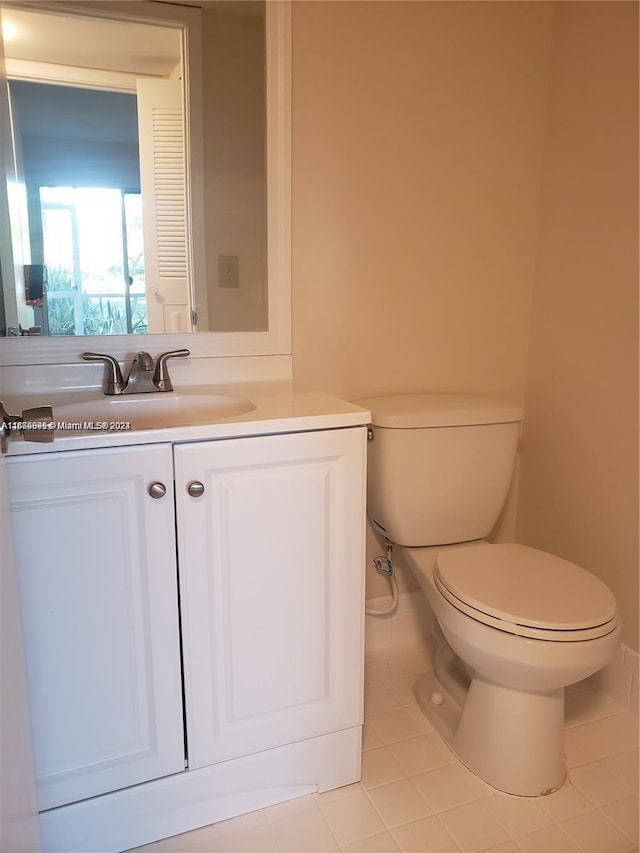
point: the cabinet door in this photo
(98, 591)
(272, 588)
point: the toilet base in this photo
(511, 739)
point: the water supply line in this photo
(384, 565)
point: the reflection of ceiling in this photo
(91, 43)
(61, 112)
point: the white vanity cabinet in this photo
(241, 589)
(270, 554)
(98, 589)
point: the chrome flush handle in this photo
(34, 424)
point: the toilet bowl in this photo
(517, 647)
(514, 625)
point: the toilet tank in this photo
(440, 466)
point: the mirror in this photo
(219, 265)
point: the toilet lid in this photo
(526, 587)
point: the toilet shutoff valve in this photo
(383, 564)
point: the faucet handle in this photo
(113, 383)
(161, 375)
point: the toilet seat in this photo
(527, 592)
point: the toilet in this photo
(514, 625)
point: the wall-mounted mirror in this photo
(150, 144)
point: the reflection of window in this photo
(92, 239)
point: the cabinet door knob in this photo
(195, 488)
(157, 490)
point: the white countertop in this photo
(278, 409)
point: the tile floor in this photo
(416, 796)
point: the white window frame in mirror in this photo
(277, 339)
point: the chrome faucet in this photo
(144, 376)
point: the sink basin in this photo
(151, 411)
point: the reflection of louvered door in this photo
(162, 181)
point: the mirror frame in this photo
(277, 339)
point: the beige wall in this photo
(417, 146)
(417, 141)
(579, 473)
(418, 134)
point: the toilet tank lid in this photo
(412, 411)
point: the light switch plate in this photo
(228, 271)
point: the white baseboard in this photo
(619, 679)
